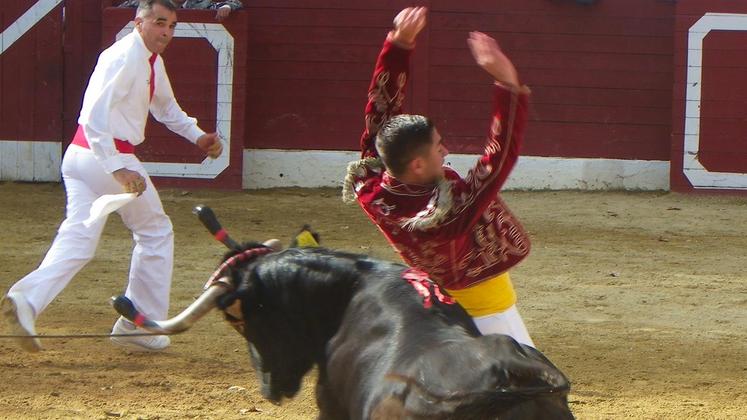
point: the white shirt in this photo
(117, 101)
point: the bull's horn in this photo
(179, 323)
(274, 244)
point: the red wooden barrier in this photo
(30, 89)
(602, 78)
(30, 82)
(601, 75)
(82, 45)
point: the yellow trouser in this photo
(487, 297)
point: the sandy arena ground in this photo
(641, 298)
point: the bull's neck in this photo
(325, 315)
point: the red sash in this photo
(122, 146)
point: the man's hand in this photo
(210, 144)
(489, 56)
(408, 24)
(131, 181)
(223, 13)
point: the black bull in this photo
(385, 347)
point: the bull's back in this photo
(487, 377)
(386, 329)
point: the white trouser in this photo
(152, 257)
(508, 322)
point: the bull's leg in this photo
(329, 407)
(390, 408)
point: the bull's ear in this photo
(243, 289)
(226, 300)
(535, 374)
(520, 369)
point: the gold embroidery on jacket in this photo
(385, 105)
(497, 237)
(427, 256)
(494, 146)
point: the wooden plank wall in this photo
(722, 124)
(309, 68)
(82, 45)
(29, 76)
(601, 74)
(30, 94)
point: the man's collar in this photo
(395, 186)
(141, 43)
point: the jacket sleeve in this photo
(482, 184)
(385, 93)
(506, 135)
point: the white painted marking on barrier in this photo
(270, 168)
(220, 39)
(30, 160)
(698, 175)
(25, 22)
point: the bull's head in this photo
(280, 352)
(236, 288)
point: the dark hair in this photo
(146, 6)
(402, 139)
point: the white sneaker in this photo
(19, 315)
(140, 343)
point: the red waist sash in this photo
(123, 146)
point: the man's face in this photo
(433, 159)
(157, 28)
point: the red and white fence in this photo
(615, 96)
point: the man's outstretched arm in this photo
(504, 138)
(488, 55)
(509, 110)
(387, 89)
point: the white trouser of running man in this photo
(508, 322)
(152, 257)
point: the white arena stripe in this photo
(270, 168)
(37, 161)
(25, 22)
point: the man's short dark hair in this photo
(402, 139)
(146, 6)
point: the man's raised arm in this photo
(387, 89)
(509, 110)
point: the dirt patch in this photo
(641, 298)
